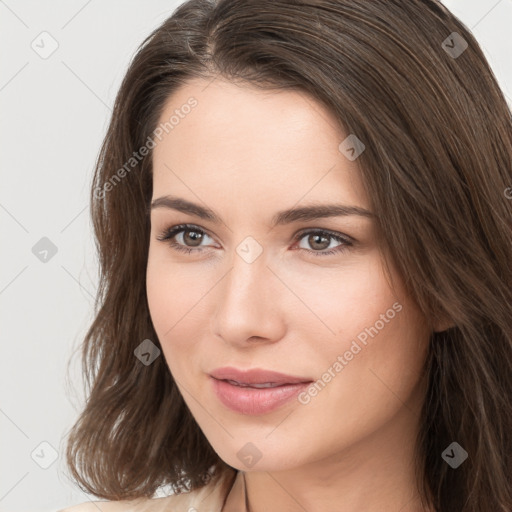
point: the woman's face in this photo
(282, 296)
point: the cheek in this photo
(165, 301)
(346, 299)
(159, 294)
(176, 310)
(169, 292)
(381, 361)
(379, 342)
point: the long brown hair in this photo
(437, 166)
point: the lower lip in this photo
(247, 400)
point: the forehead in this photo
(243, 143)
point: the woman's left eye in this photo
(315, 238)
(178, 236)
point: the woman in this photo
(303, 218)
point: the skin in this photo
(247, 154)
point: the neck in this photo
(375, 474)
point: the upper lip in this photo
(256, 376)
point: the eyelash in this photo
(171, 232)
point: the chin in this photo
(260, 456)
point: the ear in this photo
(443, 324)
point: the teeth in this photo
(265, 385)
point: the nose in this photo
(249, 304)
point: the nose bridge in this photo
(246, 285)
(246, 301)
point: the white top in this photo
(225, 495)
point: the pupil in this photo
(196, 237)
(313, 241)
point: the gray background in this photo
(54, 115)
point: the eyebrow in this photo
(303, 213)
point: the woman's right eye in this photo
(183, 233)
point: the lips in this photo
(255, 391)
(256, 377)
(254, 385)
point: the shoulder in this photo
(178, 502)
(170, 503)
(209, 497)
